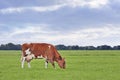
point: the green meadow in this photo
(80, 65)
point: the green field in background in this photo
(81, 65)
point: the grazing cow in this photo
(41, 50)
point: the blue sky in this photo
(69, 22)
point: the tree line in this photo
(76, 47)
(11, 46)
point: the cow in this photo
(41, 50)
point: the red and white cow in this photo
(41, 50)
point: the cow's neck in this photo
(57, 58)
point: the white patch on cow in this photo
(29, 57)
(49, 46)
(40, 57)
(33, 56)
(28, 51)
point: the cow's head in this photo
(62, 63)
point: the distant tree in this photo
(75, 47)
(82, 48)
(104, 47)
(2, 47)
(90, 48)
(10, 46)
(69, 47)
(116, 47)
(61, 47)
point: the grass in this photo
(81, 65)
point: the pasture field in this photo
(81, 65)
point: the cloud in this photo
(11, 10)
(85, 3)
(57, 6)
(98, 33)
(47, 8)
(35, 8)
(45, 33)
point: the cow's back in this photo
(43, 49)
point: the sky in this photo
(68, 22)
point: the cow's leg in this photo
(23, 61)
(52, 62)
(46, 64)
(29, 65)
(28, 59)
